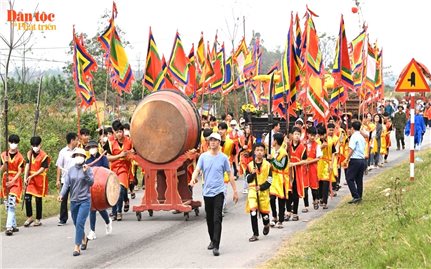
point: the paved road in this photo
(164, 240)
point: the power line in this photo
(35, 59)
(45, 48)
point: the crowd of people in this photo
(278, 169)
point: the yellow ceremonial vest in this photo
(333, 140)
(262, 177)
(227, 150)
(383, 146)
(344, 148)
(227, 147)
(280, 178)
(324, 162)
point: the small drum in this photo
(105, 190)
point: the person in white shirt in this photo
(64, 162)
(275, 129)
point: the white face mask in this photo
(126, 132)
(79, 160)
(13, 146)
(35, 149)
(93, 151)
(105, 139)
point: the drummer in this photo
(117, 151)
(97, 160)
(78, 179)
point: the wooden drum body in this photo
(164, 126)
(105, 190)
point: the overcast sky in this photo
(398, 26)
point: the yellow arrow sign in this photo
(412, 79)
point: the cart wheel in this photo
(186, 216)
(197, 212)
(139, 216)
(150, 212)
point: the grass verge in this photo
(50, 207)
(390, 228)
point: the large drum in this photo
(164, 126)
(105, 190)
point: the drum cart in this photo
(158, 197)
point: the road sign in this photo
(412, 79)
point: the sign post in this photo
(412, 136)
(412, 80)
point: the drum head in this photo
(163, 131)
(112, 189)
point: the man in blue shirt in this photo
(213, 165)
(356, 161)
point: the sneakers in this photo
(279, 225)
(325, 206)
(9, 232)
(91, 235)
(108, 227)
(61, 223)
(15, 229)
(119, 217)
(266, 230)
(295, 217)
(305, 210)
(37, 223)
(210, 246)
(216, 252)
(272, 222)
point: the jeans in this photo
(213, 210)
(11, 204)
(29, 208)
(118, 208)
(102, 213)
(64, 215)
(354, 177)
(79, 211)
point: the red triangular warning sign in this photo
(412, 79)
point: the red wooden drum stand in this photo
(173, 201)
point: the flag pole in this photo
(97, 109)
(245, 85)
(106, 97)
(78, 113)
(285, 97)
(270, 117)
